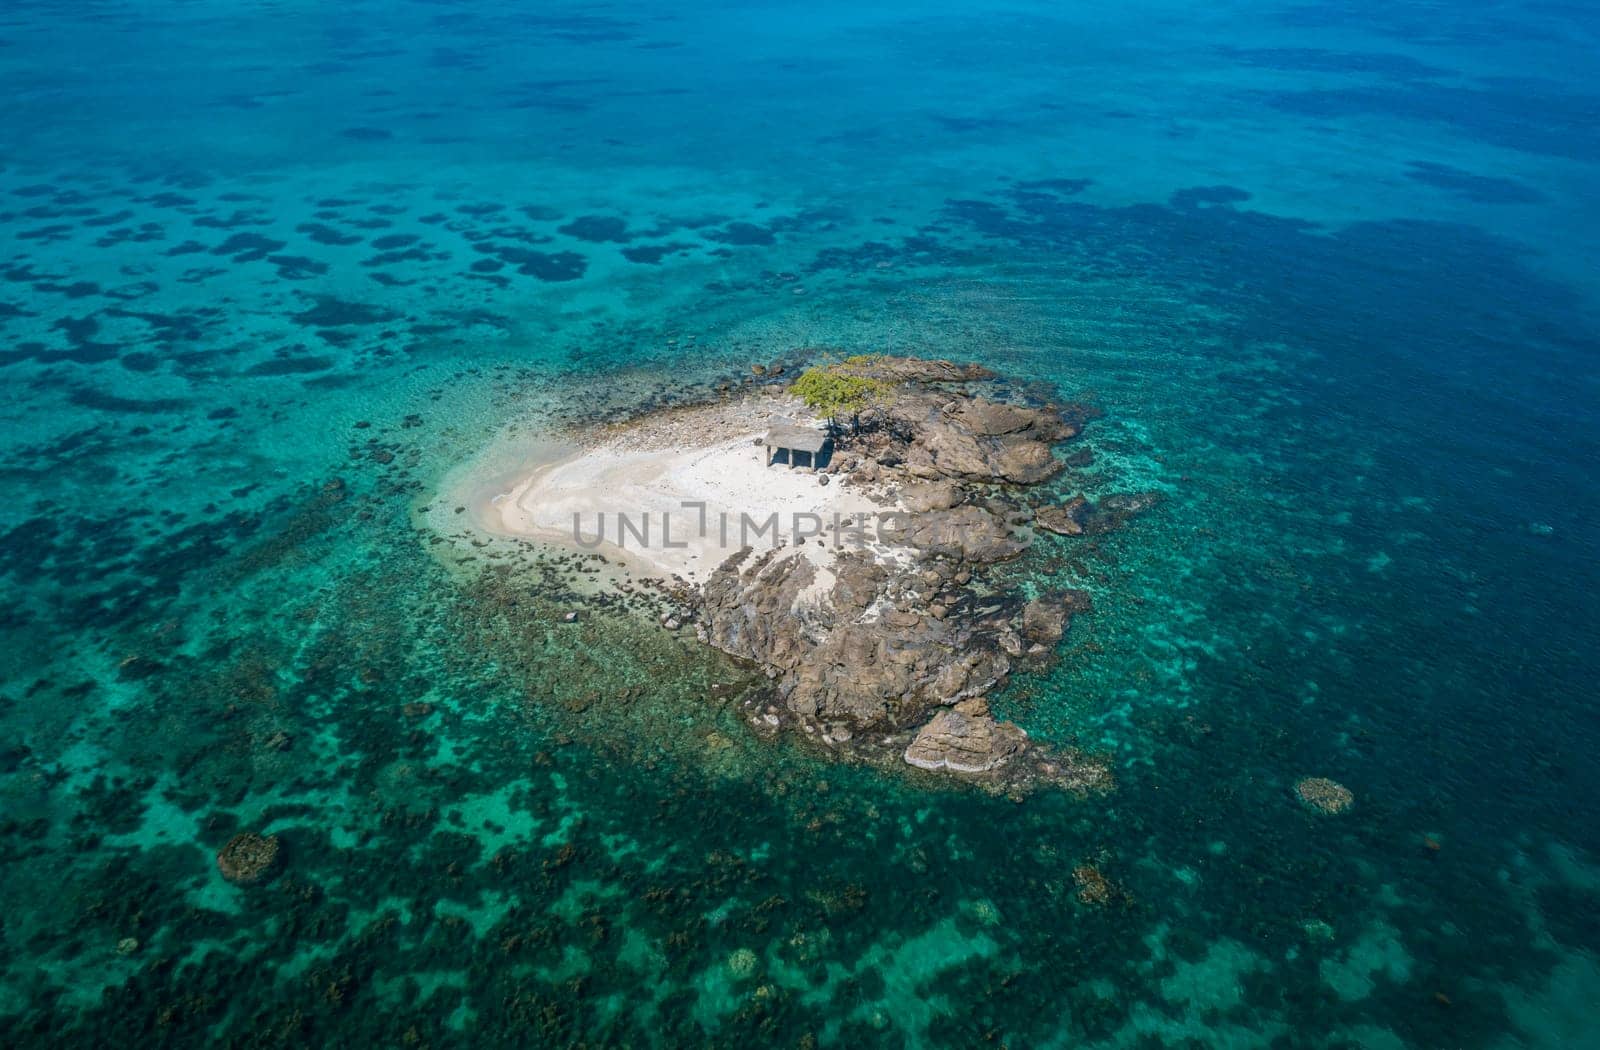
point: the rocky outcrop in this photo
(965, 739)
(248, 858)
(1045, 619)
(967, 533)
(1064, 519)
(972, 439)
(923, 497)
(923, 370)
(968, 741)
(899, 639)
(1079, 517)
(866, 652)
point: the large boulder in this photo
(972, 438)
(930, 496)
(1046, 618)
(854, 654)
(968, 532)
(987, 418)
(1065, 519)
(1025, 462)
(750, 604)
(1043, 622)
(966, 739)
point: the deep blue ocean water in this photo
(272, 270)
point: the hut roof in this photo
(786, 433)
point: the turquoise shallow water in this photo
(272, 270)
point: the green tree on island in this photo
(838, 390)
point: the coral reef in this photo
(1093, 887)
(1324, 795)
(248, 858)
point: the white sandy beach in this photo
(647, 490)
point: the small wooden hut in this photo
(784, 433)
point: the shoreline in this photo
(888, 644)
(675, 500)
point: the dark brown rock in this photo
(248, 858)
(970, 439)
(1066, 519)
(1045, 619)
(965, 739)
(929, 496)
(966, 533)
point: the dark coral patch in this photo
(132, 290)
(1524, 114)
(332, 312)
(1480, 189)
(288, 366)
(297, 267)
(47, 234)
(964, 125)
(402, 248)
(171, 330)
(248, 247)
(394, 240)
(652, 254)
(867, 255)
(110, 219)
(1200, 196)
(598, 229)
(232, 221)
(520, 234)
(75, 290)
(742, 234)
(325, 234)
(390, 281)
(141, 234)
(1572, 914)
(547, 266)
(22, 273)
(96, 399)
(140, 361)
(80, 333)
(167, 200)
(1318, 60)
(1062, 186)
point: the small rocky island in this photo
(872, 610)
